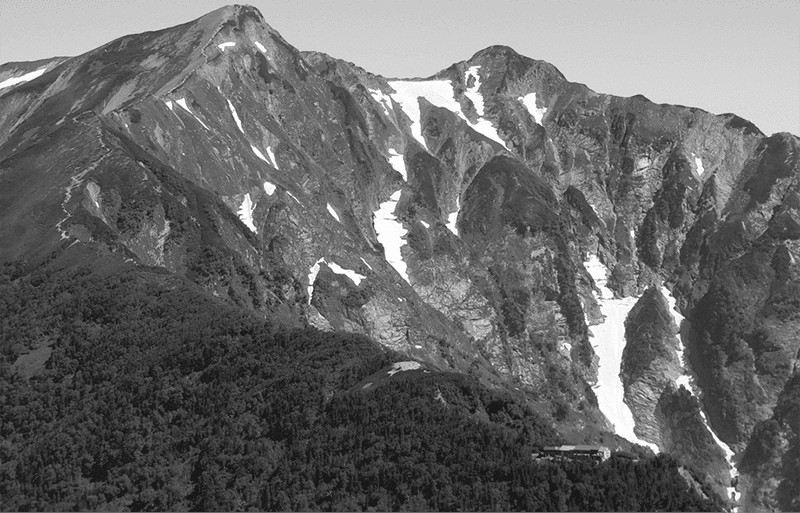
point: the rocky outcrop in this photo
(650, 361)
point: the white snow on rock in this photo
(366, 263)
(472, 92)
(229, 44)
(246, 212)
(261, 47)
(314, 271)
(698, 162)
(390, 234)
(608, 341)
(168, 103)
(182, 103)
(529, 100)
(269, 188)
(452, 218)
(439, 93)
(272, 157)
(235, 116)
(27, 77)
(380, 97)
(689, 383)
(403, 366)
(293, 197)
(259, 154)
(398, 163)
(426, 225)
(332, 212)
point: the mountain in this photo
(618, 271)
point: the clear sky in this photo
(719, 55)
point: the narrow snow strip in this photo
(608, 341)
(293, 197)
(688, 382)
(403, 366)
(269, 188)
(261, 47)
(168, 103)
(383, 99)
(314, 271)
(390, 233)
(332, 212)
(699, 163)
(398, 163)
(472, 92)
(182, 103)
(259, 154)
(229, 44)
(426, 225)
(272, 157)
(366, 263)
(354, 276)
(235, 116)
(452, 218)
(529, 100)
(21, 79)
(246, 212)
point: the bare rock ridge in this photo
(448, 218)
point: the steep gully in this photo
(608, 341)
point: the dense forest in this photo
(125, 388)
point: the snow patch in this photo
(21, 79)
(269, 188)
(246, 212)
(380, 97)
(235, 116)
(608, 341)
(423, 223)
(440, 93)
(229, 44)
(529, 100)
(472, 92)
(261, 47)
(314, 271)
(259, 154)
(403, 366)
(398, 163)
(332, 212)
(182, 103)
(293, 197)
(452, 218)
(390, 233)
(272, 157)
(168, 103)
(699, 163)
(366, 263)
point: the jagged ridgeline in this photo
(237, 275)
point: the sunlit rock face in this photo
(447, 217)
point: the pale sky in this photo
(721, 56)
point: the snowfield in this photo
(390, 234)
(21, 79)
(529, 100)
(397, 162)
(608, 341)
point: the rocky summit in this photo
(623, 271)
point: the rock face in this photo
(447, 218)
(650, 361)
